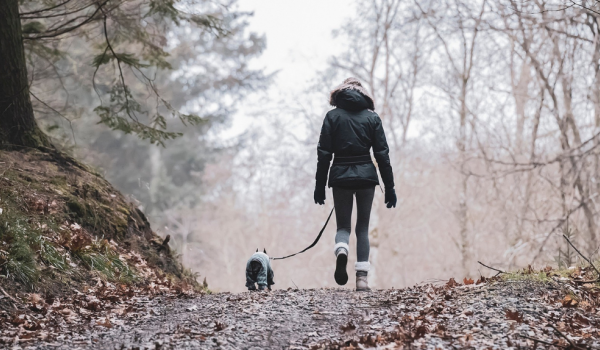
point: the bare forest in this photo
(159, 157)
(491, 109)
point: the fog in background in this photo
(491, 110)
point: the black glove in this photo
(320, 195)
(390, 197)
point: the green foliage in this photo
(199, 66)
(124, 114)
(132, 44)
(125, 58)
(100, 257)
(25, 250)
(101, 59)
(33, 27)
(163, 8)
(51, 256)
(19, 258)
(538, 276)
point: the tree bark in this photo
(17, 122)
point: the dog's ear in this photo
(264, 251)
(257, 250)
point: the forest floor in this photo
(80, 268)
(516, 312)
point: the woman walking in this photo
(349, 132)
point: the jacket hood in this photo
(351, 95)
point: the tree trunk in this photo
(17, 123)
(463, 209)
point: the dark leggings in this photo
(343, 199)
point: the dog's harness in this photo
(313, 243)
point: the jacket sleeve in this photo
(381, 152)
(324, 153)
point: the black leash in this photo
(313, 243)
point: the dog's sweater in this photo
(265, 276)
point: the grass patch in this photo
(18, 258)
(26, 248)
(100, 257)
(538, 276)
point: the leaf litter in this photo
(491, 313)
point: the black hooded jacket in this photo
(349, 132)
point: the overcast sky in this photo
(299, 43)
(299, 39)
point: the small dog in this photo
(259, 271)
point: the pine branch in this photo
(47, 9)
(58, 31)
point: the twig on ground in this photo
(573, 346)
(10, 297)
(7, 169)
(541, 341)
(491, 268)
(584, 282)
(294, 283)
(583, 256)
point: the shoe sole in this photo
(341, 276)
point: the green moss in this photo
(77, 208)
(59, 181)
(35, 138)
(520, 276)
(123, 210)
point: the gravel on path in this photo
(490, 315)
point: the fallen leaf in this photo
(514, 316)
(66, 312)
(586, 306)
(581, 319)
(569, 301)
(28, 335)
(348, 327)
(35, 298)
(106, 323)
(452, 283)
(93, 306)
(420, 331)
(32, 325)
(18, 319)
(220, 326)
(468, 281)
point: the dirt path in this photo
(493, 315)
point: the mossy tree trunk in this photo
(17, 122)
